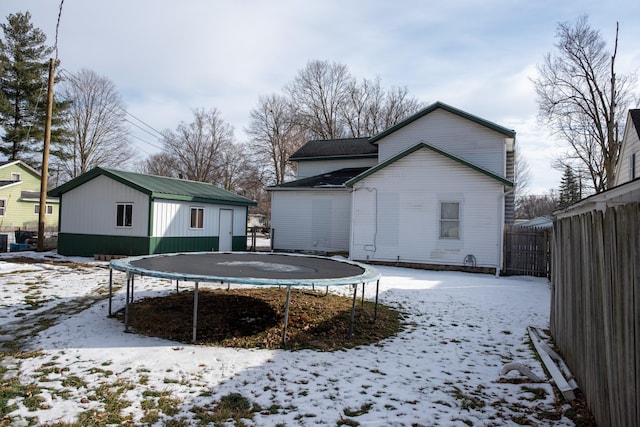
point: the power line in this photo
(146, 124)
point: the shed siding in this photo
(318, 167)
(396, 213)
(91, 209)
(173, 219)
(453, 134)
(311, 220)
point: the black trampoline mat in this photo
(249, 265)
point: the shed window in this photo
(197, 217)
(124, 214)
(449, 220)
(15, 176)
(48, 210)
(3, 206)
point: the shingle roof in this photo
(335, 148)
(326, 180)
(5, 183)
(160, 187)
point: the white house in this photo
(628, 166)
(108, 211)
(438, 191)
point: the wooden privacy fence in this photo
(526, 251)
(595, 308)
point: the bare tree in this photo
(318, 92)
(533, 206)
(161, 164)
(582, 99)
(274, 134)
(198, 148)
(522, 174)
(95, 123)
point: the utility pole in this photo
(45, 159)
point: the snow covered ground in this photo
(443, 369)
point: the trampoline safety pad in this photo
(250, 268)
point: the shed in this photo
(109, 211)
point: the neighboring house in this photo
(628, 166)
(435, 189)
(108, 211)
(20, 199)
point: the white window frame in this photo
(16, 176)
(48, 209)
(121, 217)
(3, 207)
(199, 224)
(442, 221)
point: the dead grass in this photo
(253, 318)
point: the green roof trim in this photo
(160, 187)
(507, 132)
(419, 146)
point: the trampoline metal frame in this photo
(369, 275)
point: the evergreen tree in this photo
(23, 87)
(569, 188)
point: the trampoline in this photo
(248, 268)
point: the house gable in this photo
(424, 145)
(463, 135)
(628, 166)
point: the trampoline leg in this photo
(126, 305)
(110, 288)
(286, 316)
(362, 302)
(177, 288)
(195, 313)
(375, 312)
(353, 310)
(326, 291)
(132, 280)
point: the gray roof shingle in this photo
(335, 148)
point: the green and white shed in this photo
(114, 212)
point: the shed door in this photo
(226, 230)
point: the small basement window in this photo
(124, 214)
(450, 220)
(197, 217)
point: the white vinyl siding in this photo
(413, 214)
(630, 147)
(311, 220)
(318, 167)
(91, 209)
(454, 134)
(173, 219)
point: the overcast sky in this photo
(168, 57)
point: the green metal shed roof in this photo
(160, 187)
(421, 145)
